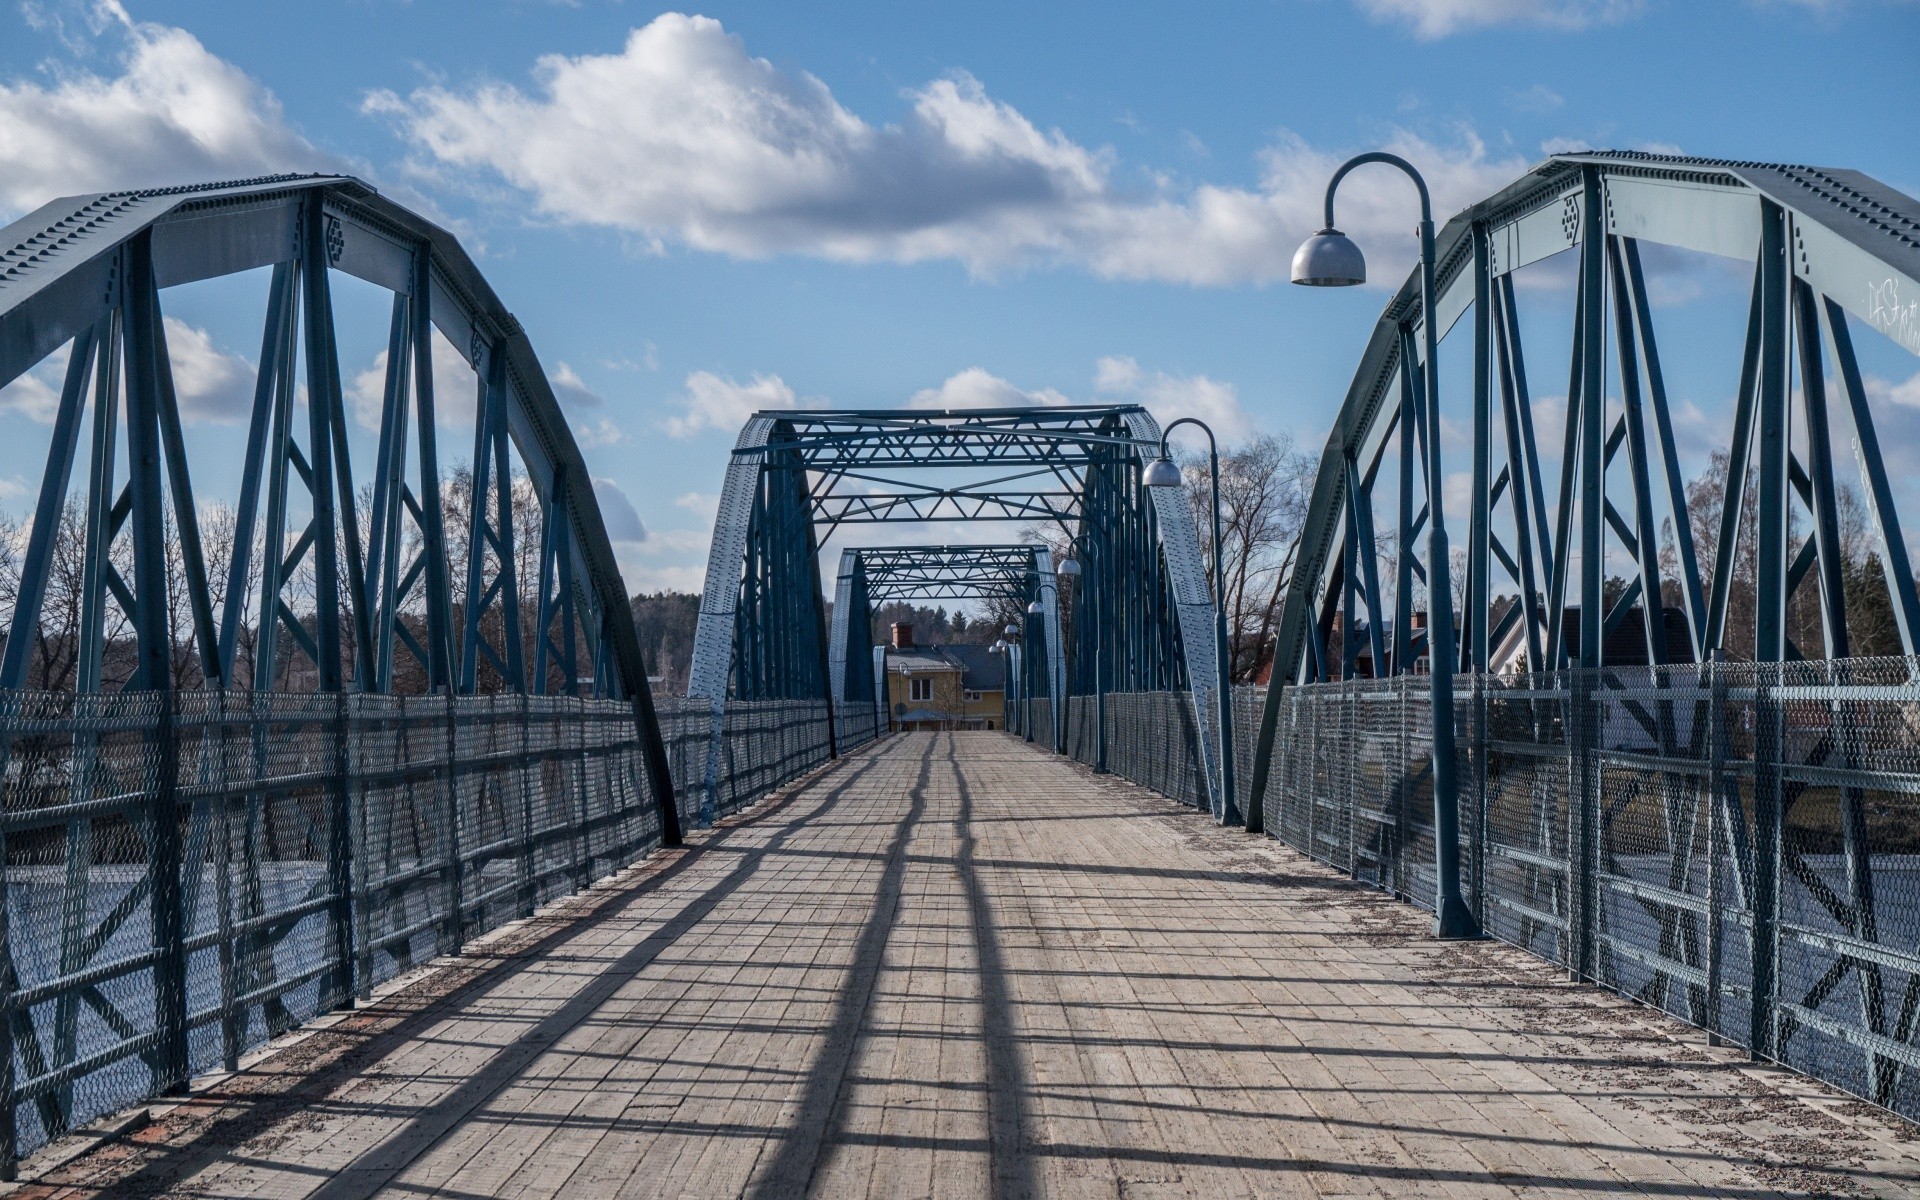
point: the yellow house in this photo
(943, 687)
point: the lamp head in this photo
(1012, 630)
(1035, 609)
(1162, 472)
(999, 647)
(1067, 566)
(1329, 259)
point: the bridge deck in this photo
(956, 966)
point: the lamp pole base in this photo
(1454, 922)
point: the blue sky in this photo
(703, 212)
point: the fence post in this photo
(583, 846)
(1477, 847)
(527, 775)
(9, 1128)
(1313, 778)
(1716, 765)
(456, 926)
(1768, 751)
(362, 843)
(339, 992)
(716, 739)
(1586, 820)
(229, 1019)
(169, 938)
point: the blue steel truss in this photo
(1018, 573)
(88, 273)
(798, 477)
(1828, 250)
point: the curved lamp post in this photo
(1164, 473)
(1036, 610)
(1330, 259)
(1069, 566)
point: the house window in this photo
(922, 689)
(973, 697)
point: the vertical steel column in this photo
(323, 396)
(1590, 365)
(1716, 768)
(1480, 531)
(153, 630)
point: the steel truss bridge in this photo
(376, 714)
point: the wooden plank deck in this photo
(953, 965)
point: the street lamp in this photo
(1164, 473)
(1035, 609)
(1069, 566)
(1330, 259)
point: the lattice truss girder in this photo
(1827, 249)
(1074, 468)
(1825, 246)
(90, 274)
(869, 576)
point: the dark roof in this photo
(980, 669)
(985, 671)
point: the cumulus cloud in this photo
(617, 512)
(976, 387)
(1441, 18)
(685, 139)
(211, 385)
(456, 389)
(717, 402)
(36, 394)
(175, 113)
(1170, 397)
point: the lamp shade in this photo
(1012, 630)
(1329, 259)
(1068, 566)
(1035, 609)
(1162, 472)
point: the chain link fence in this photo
(1736, 844)
(188, 875)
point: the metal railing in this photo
(1736, 844)
(190, 874)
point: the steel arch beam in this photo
(861, 466)
(1827, 244)
(73, 270)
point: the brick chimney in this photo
(902, 635)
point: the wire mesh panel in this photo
(1738, 845)
(1249, 703)
(189, 874)
(1152, 739)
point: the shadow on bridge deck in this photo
(952, 965)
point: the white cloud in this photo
(683, 138)
(456, 389)
(592, 435)
(705, 505)
(717, 402)
(36, 393)
(1906, 393)
(977, 388)
(1170, 397)
(571, 390)
(176, 113)
(211, 384)
(1440, 18)
(1537, 99)
(617, 512)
